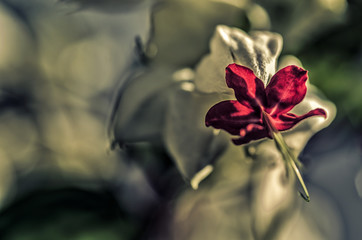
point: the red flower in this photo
(259, 110)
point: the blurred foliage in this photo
(67, 214)
(182, 29)
(62, 61)
(334, 61)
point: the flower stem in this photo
(288, 156)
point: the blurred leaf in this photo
(258, 51)
(141, 109)
(183, 28)
(109, 6)
(191, 144)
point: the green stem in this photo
(288, 156)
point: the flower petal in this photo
(289, 120)
(286, 89)
(250, 133)
(249, 90)
(231, 116)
